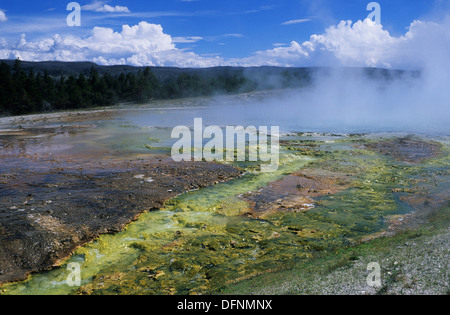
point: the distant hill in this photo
(58, 68)
(27, 87)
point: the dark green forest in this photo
(23, 92)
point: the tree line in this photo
(24, 92)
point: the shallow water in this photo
(276, 109)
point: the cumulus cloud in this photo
(363, 43)
(144, 44)
(3, 17)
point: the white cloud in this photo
(279, 56)
(363, 43)
(116, 9)
(144, 44)
(187, 39)
(93, 6)
(296, 21)
(101, 6)
(3, 17)
(235, 35)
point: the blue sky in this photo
(230, 30)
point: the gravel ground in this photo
(417, 266)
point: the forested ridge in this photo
(33, 87)
(23, 92)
